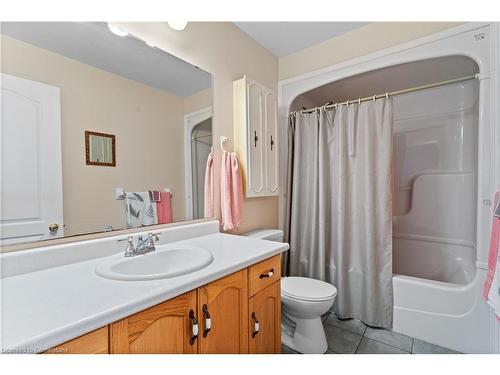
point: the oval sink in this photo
(160, 264)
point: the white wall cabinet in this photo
(255, 118)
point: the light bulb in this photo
(177, 25)
(116, 30)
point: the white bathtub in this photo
(438, 259)
(437, 293)
(445, 314)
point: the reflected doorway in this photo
(198, 136)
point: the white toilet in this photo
(303, 302)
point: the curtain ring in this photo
(387, 95)
(374, 97)
(347, 103)
(316, 109)
(359, 101)
(324, 107)
(302, 112)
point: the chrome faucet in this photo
(144, 245)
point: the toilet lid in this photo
(307, 289)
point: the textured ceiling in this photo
(284, 38)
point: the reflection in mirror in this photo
(78, 99)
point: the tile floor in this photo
(354, 337)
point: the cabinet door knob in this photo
(194, 327)
(208, 321)
(256, 325)
(269, 273)
(54, 227)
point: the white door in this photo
(30, 137)
(255, 131)
(271, 145)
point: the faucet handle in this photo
(129, 238)
(130, 245)
(152, 239)
(154, 236)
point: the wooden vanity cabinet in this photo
(239, 313)
(225, 303)
(264, 312)
(265, 321)
(162, 329)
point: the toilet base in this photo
(309, 336)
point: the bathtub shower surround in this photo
(338, 219)
(439, 259)
(435, 158)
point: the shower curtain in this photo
(338, 217)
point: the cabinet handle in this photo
(208, 321)
(255, 138)
(269, 273)
(272, 143)
(256, 326)
(194, 327)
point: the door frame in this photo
(190, 121)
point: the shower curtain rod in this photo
(330, 105)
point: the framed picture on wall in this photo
(100, 149)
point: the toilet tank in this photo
(267, 234)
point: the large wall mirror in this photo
(100, 131)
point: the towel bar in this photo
(120, 193)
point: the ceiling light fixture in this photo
(116, 30)
(177, 25)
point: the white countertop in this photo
(47, 307)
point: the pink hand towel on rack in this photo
(231, 191)
(494, 299)
(164, 208)
(209, 187)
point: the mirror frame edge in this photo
(97, 235)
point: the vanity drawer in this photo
(263, 274)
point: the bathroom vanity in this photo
(54, 300)
(239, 313)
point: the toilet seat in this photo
(307, 289)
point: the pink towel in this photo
(493, 256)
(164, 208)
(209, 188)
(231, 191)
